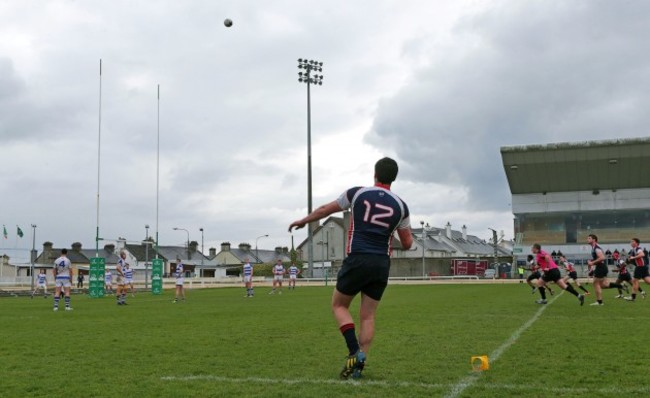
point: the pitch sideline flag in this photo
(19, 231)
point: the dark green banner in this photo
(157, 276)
(96, 277)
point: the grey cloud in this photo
(521, 72)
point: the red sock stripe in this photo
(346, 327)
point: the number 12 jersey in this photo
(376, 213)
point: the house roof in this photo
(271, 256)
(577, 166)
(140, 252)
(109, 256)
(74, 256)
(336, 220)
(171, 253)
(241, 254)
(472, 245)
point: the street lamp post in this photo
(307, 77)
(202, 251)
(188, 239)
(146, 257)
(424, 245)
(256, 239)
(495, 246)
(33, 253)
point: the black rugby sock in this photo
(585, 290)
(350, 337)
(542, 292)
(571, 290)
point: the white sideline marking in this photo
(407, 384)
(494, 356)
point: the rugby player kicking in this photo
(376, 213)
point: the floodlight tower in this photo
(305, 76)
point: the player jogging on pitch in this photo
(641, 267)
(247, 271)
(180, 279)
(278, 276)
(624, 277)
(41, 283)
(128, 279)
(376, 213)
(551, 274)
(600, 270)
(108, 281)
(534, 275)
(293, 275)
(62, 280)
(571, 274)
(120, 292)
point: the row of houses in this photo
(329, 243)
(331, 236)
(140, 257)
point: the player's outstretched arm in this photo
(321, 212)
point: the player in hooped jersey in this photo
(41, 283)
(600, 270)
(120, 292)
(62, 279)
(128, 279)
(641, 272)
(278, 276)
(247, 271)
(571, 274)
(551, 273)
(535, 274)
(108, 281)
(180, 280)
(624, 278)
(376, 213)
(293, 275)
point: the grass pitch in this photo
(221, 344)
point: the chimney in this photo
(76, 247)
(194, 245)
(448, 230)
(213, 252)
(245, 247)
(464, 232)
(285, 250)
(278, 250)
(225, 246)
(110, 248)
(47, 252)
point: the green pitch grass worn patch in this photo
(219, 343)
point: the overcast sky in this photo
(438, 85)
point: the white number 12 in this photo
(386, 212)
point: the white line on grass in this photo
(466, 382)
(407, 384)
